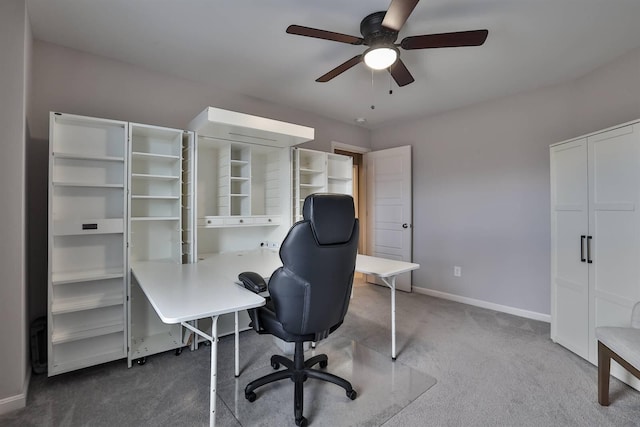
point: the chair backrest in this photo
(311, 290)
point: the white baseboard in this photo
(484, 304)
(18, 401)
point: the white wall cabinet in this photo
(243, 185)
(88, 265)
(319, 172)
(595, 237)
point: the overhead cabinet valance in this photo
(240, 127)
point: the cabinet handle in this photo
(589, 260)
(582, 259)
(241, 221)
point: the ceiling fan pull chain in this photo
(390, 85)
(373, 95)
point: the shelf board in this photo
(238, 195)
(149, 197)
(88, 331)
(74, 156)
(306, 171)
(158, 177)
(82, 362)
(239, 162)
(86, 276)
(70, 305)
(154, 156)
(311, 186)
(155, 218)
(339, 178)
(239, 178)
(86, 184)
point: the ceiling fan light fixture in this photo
(380, 57)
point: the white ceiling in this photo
(241, 46)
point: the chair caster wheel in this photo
(141, 361)
(352, 394)
(251, 396)
(275, 365)
(302, 422)
(323, 364)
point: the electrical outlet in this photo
(457, 271)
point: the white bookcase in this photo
(319, 172)
(87, 257)
(156, 208)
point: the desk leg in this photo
(237, 348)
(213, 338)
(392, 285)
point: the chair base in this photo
(605, 354)
(298, 370)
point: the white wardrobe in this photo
(595, 237)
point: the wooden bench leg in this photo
(604, 364)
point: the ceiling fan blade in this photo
(457, 39)
(340, 69)
(397, 14)
(400, 73)
(322, 34)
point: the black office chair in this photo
(310, 293)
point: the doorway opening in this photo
(359, 191)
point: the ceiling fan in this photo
(379, 31)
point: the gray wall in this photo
(15, 41)
(481, 183)
(70, 81)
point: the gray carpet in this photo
(492, 369)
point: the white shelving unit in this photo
(156, 208)
(87, 242)
(243, 185)
(319, 172)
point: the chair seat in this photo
(623, 341)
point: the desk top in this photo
(383, 267)
(184, 292)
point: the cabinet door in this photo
(569, 222)
(614, 223)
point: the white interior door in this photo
(389, 207)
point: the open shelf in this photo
(86, 276)
(87, 302)
(74, 156)
(154, 156)
(87, 331)
(151, 176)
(86, 184)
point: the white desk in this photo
(182, 293)
(387, 270)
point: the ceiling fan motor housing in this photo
(374, 33)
